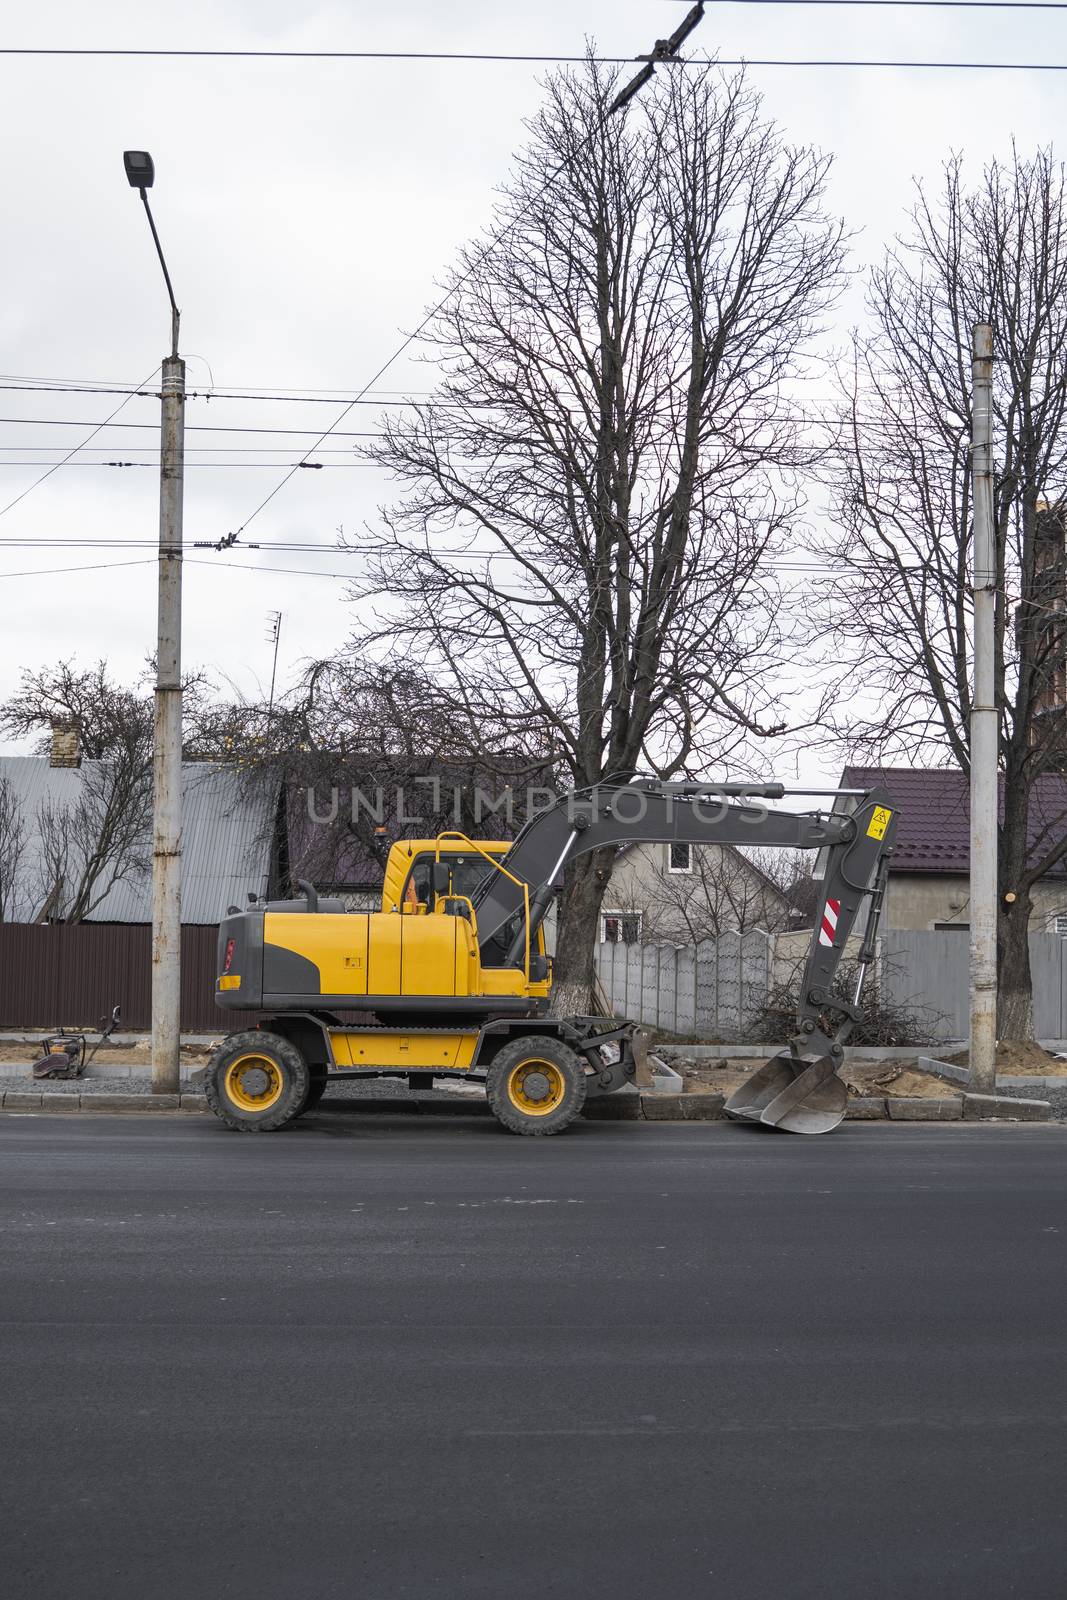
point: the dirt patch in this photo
(899, 1080)
(1018, 1060)
(724, 1074)
(719, 1075)
(137, 1055)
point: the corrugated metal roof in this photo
(227, 824)
(933, 828)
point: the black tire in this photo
(269, 1069)
(526, 1099)
(319, 1081)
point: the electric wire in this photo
(959, 5)
(190, 427)
(561, 60)
(663, 48)
(67, 458)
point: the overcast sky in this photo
(307, 209)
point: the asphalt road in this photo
(373, 1358)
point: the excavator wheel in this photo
(317, 1090)
(536, 1085)
(257, 1082)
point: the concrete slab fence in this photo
(713, 989)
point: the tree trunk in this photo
(1015, 1008)
(579, 912)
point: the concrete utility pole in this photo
(167, 745)
(984, 726)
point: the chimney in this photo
(65, 752)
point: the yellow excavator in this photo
(451, 979)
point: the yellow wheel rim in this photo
(536, 1087)
(254, 1083)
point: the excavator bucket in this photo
(797, 1093)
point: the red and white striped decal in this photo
(831, 912)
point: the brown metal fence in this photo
(74, 973)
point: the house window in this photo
(620, 927)
(679, 858)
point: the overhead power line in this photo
(960, 5)
(96, 566)
(321, 55)
(190, 427)
(97, 428)
(610, 61)
(664, 50)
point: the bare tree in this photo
(12, 851)
(50, 868)
(726, 890)
(586, 508)
(87, 844)
(100, 711)
(903, 611)
(370, 753)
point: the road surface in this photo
(374, 1357)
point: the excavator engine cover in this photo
(796, 1093)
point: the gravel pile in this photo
(1057, 1098)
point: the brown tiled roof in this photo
(933, 829)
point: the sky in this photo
(307, 210)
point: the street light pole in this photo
(167, 744)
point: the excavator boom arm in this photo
(799, 1089)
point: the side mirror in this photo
(441, 878)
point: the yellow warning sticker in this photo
(879, 822)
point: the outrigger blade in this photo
(799, 1094)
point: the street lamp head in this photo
(139, 169)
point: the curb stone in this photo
(944, 1069)
(866, 1108)
(614, 1108)
(671, 1082)
(913, 1109)
(131, 1102)
(682, 1107)
(979, 1107)
(648, 1107)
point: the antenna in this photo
(274, 634)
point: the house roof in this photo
(933, 828)
(227, 834)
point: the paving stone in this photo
(682, 1107)
(192, 1102)
(130, 1102)
(614, 1108)
(662, 1107)
(918, 1109)
(867, 1108)
(15, 1100)
(1006, 1108)
(944, 1069)
(702, 1107)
